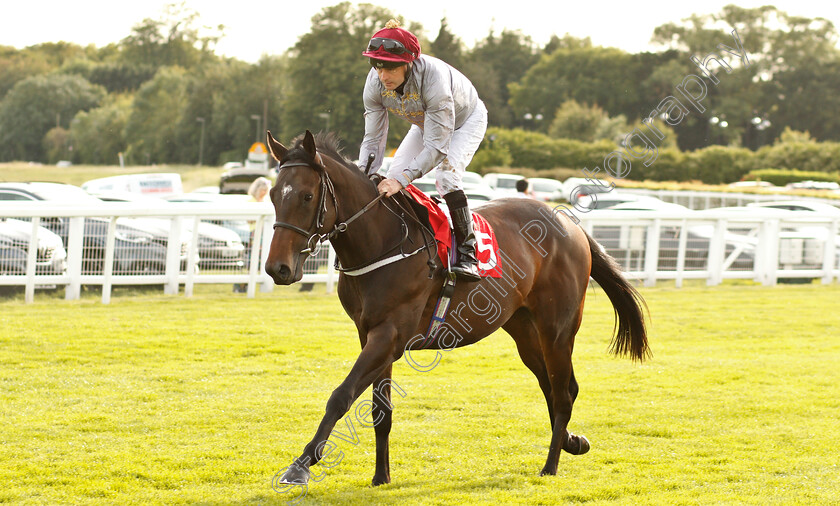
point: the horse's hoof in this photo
(294, 475)
(548, 472)
(577, 445)
(380, 481)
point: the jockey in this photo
(448, 122)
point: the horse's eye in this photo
(307, 197)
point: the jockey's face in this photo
(392, 78)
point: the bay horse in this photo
(393, 277)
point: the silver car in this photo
(15, 236)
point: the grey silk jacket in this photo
(436, 97)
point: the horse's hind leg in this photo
(523, 330)
(557, 348)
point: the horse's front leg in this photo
(382, 412)
(377, 355)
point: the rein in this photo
(315, 239)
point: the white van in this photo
(148, 184)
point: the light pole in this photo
(719, 122)
(325, 116)
(201, 142)
(528, 117)
(257, 118)
(760, 124)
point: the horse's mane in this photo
(329, 144)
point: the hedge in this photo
(781, 177)
(712, 165)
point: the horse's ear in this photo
(278, 151)
(309, 143)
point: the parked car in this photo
(810, 233)
(426, 184)
(474, 184)
(477, 194)
(502, 183)
(15, 236)
(136, 250)
(238, 180)
(472, 179)
(813, 185)
(386, 164)
(546, 189)
(752, 184)
(241, 227)
(800, 205)
(615, 198)
(800, 247)
(147, 184)
(628, 242)
(577, 187)
(207, 189)
(647, 204)
(218, 247)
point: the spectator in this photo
(257, 192)
(523, 189)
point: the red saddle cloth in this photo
(487, 249)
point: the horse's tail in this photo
(628, 304)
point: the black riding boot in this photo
(466, 264)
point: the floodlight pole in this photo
(201, 143)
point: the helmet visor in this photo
(392, 46)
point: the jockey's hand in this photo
(389, 186)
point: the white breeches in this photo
(462, 147)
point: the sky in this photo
(254, 28)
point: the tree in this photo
(98, 136)
(327, 73)
(57, 144)
(791, 135)
(805, 100)
(577, 121)
(793, 73)
(15, 66)
(607, 77)
(447, 46)
(37, 104)
(656, 130)
(119, 77)
(566, 42)
(152, 128)
(504, 59)
(171, 40)
(613, 129)
(238, 91)
(775, 40)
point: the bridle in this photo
(315, 239)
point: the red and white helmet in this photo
(392, 46)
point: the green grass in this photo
(192, 176)
(166, 400)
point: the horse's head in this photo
(300, 197)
